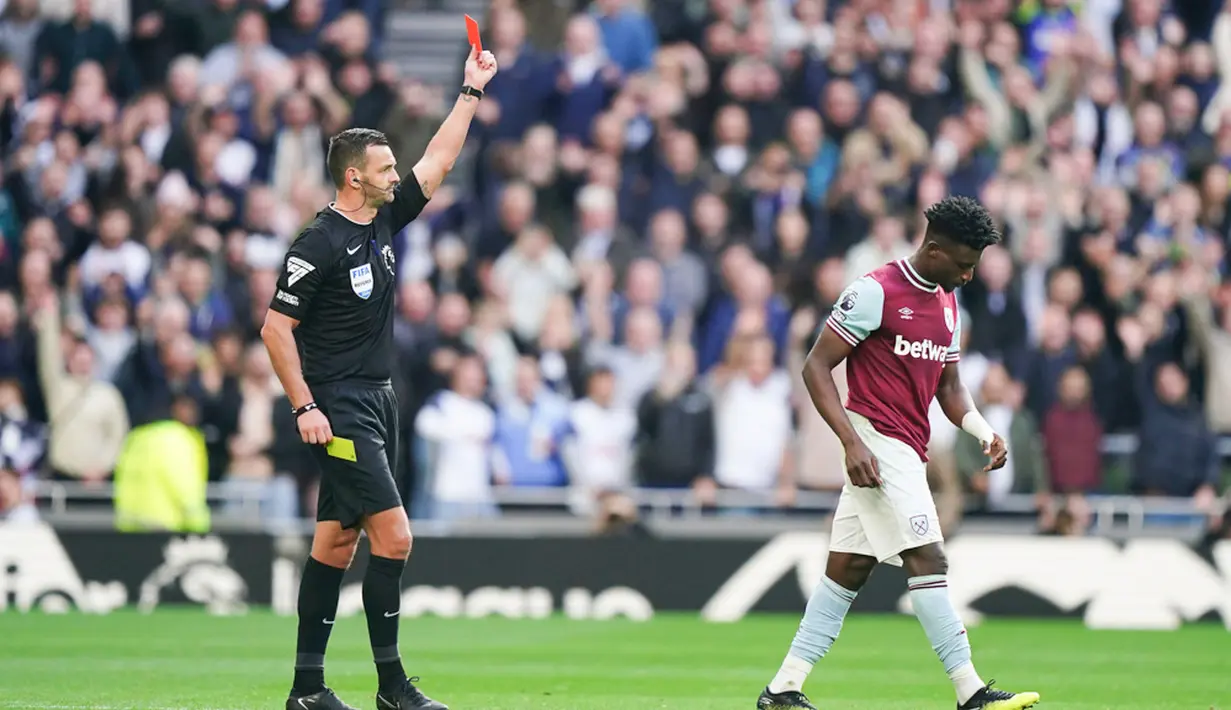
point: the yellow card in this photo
(340, 448)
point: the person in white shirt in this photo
(115, 253)
(754, 427)
(531, 273)
(598, 451)
(459, 426)
(637, 363)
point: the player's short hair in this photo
(962, 220)
(349, 149)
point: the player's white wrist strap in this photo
(975, 425)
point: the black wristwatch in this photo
(304, 409)
(471, 91)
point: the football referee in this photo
(329, 332)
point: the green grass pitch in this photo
(187, 660)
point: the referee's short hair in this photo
(349, 149)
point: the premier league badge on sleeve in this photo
(842, 310)
(386, 253)
(949, 319)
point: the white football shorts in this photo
(899, 515)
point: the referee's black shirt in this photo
(337, 281)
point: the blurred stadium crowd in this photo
(618, 286)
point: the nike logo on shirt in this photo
(351, 252)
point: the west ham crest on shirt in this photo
(949, 320)
(361, 280)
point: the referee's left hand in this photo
(314, 427)
(480, 68)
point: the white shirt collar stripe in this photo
(913, 276)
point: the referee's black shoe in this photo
(324, 700)
(407, 697)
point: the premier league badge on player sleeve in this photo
(361, 280)
(846, 303)
(949, 320)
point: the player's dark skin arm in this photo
(279, 338)
(956, 402)
(827, 353)
(849, 570)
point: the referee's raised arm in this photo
(446, 145)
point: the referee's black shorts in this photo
(367, 415)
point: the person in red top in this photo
(898, 331)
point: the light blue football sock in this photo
(929, 594)
(817, 631)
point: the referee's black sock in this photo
(382, 603)
(318, 606)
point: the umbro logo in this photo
(906, 313)
(296, 269)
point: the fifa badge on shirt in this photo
(949, 321)
(361, 280)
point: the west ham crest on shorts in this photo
(361, 280)
(949, 321)
(919, 523)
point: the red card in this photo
(472, 32)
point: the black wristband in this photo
(304, 409)
(471, 91)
